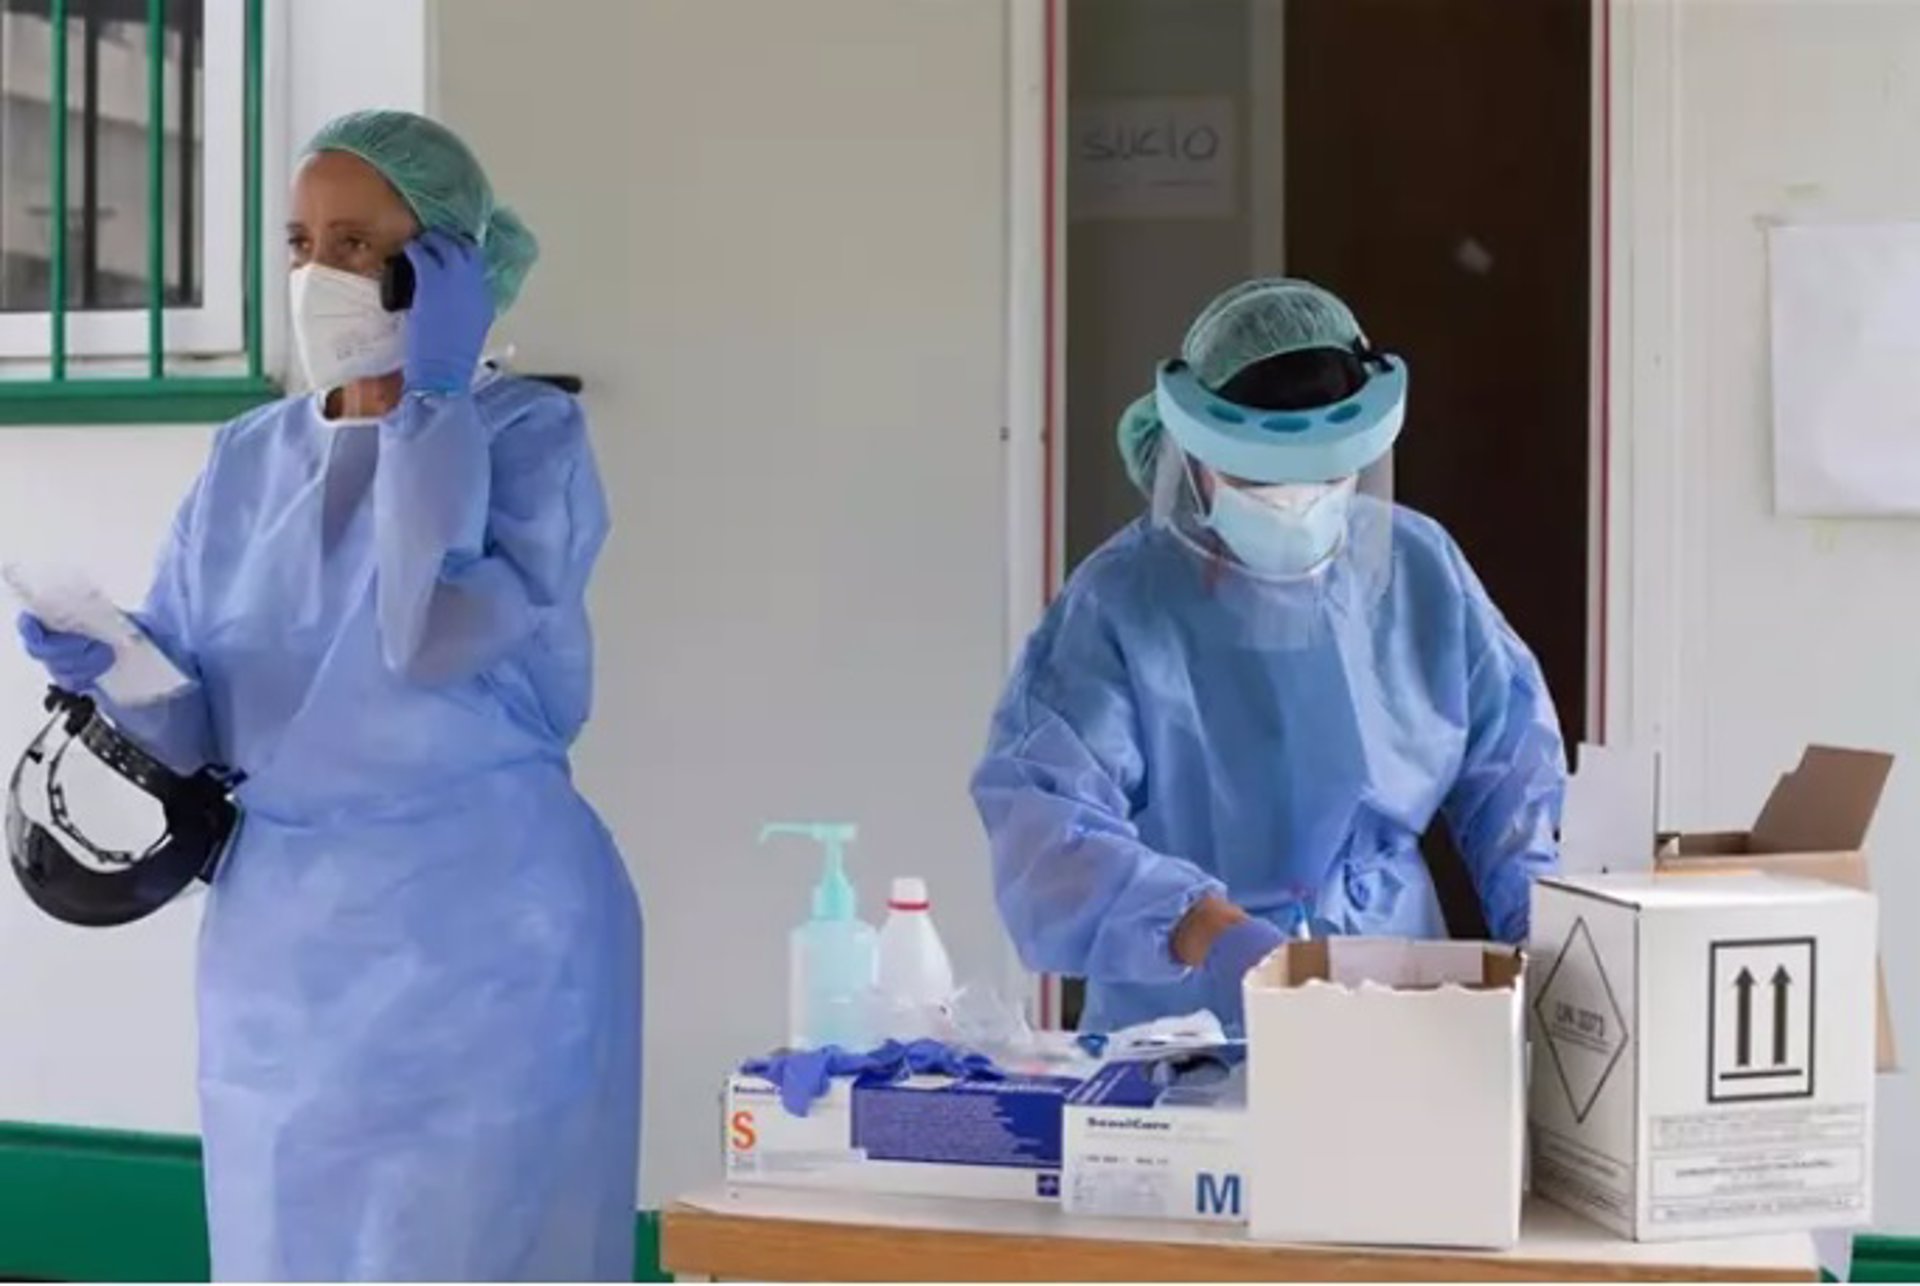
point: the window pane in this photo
(108, 215)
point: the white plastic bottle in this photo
(915, 974)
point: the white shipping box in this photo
(925, 1136)
(1161, 1137)
(1386, 1093)
(1704, 1053)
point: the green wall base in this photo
(105, 1206)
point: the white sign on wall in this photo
(1152, 158)
(1846, 369)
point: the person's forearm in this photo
(1201, 927)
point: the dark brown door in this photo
(1437, 178)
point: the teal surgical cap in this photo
(441, 180)
(1249, 323)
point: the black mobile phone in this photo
(396, 284)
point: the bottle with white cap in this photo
(915, 975)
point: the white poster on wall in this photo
(1846, 369)
(1152, 158)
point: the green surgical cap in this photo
(1249, 323)
(442, 182)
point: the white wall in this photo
(1738, 635)
(774, 248)
(98, 1026)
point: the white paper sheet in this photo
(66, 600)
(1612, 811)
(1846, 369)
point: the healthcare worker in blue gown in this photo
(1243, 712)
(419, 970)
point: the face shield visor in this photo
(82, 807)
(1281, 484)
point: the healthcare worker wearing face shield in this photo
(1237, 721)
(419, 970)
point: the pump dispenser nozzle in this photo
(833, 897)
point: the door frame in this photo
(1634, 514)
(1035, 361)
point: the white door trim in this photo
(1646, 523)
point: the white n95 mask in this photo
(340, 329)
(1286, 530)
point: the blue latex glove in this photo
(452, 311)
(804, 1075)
(74, 661)
(1233, 954)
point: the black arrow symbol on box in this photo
(1782, 982)
(1743, 1021)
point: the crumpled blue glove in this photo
(804, 1075)
(74, 661)
(451, 313)
(1233, 954)
(894, 1061)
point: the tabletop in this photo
(775, 1234)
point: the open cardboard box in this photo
(1813, 825)
(1386, 1093)
(1762, 982)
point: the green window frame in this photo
(65, 390)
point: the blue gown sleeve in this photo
(480, 529)
(177, 730)
(1079, 892)
(1504, 808)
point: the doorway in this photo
(1428, 162)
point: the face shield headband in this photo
(1314, 415)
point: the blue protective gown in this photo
(1161, 740)
(419, 972)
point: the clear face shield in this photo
(1281, 485)
(101, 833)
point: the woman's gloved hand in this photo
(1234, 954)
(451, 313)
(74, 661)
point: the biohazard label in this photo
(1581, 1021)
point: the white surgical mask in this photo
(1285, 530)
(340, 329)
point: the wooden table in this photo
(771, 1234)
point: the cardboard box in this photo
(1703, 1053)
(926, 1136)
(1160, 1137)
(1386, 1093)
(1814, 825)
